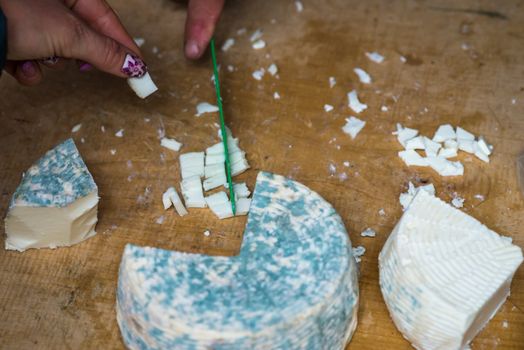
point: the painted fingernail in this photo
(133, 66)
(28, 68)
(192, 49)
(85, 67)
(49, 60)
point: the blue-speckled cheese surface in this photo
(293, 285)
(55, 204)
(57, 179)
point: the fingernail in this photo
(28, 68)
(133, 66)
(192, 49)
(85, 67)
(49, 60)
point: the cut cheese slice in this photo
(143, 86)
(443, 274)
(444, 133)
(292, 286)
(411, 157)
(192, 164)
(192, 192)
(56, 203)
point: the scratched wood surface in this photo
(464, 66)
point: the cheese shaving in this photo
(259, 44)
(228, 44)
(363, 76)
(171, 144)
(354, 103)
(205, 107)
(353, 126)
(375, 57)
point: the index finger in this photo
(101, 17)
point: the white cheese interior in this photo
(143, 86)
(51, 227)
(443, 274)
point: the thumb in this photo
(202, 16)
(104, 53)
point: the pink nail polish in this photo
(133, 66)
(85, 67)
(28, 68)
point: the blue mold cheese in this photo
(443, 274)
(292, 286)
(55, 204)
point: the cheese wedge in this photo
(56, 203)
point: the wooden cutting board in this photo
(464, 66)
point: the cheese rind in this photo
(55, 204)
(443, 274)
(292, 286)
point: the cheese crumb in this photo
(272, 69)
(103, 128)
(479, 197)
(160, 220)
(276, 95)
(256, 35)
(382, 212)
(375, 57)
(207, 233)
(332, 169)
(113, 151)
(259, 44)
(76, 128)
(458, 202)
(299, 6)
(353, 126)
(363, 76)
(354, 103)
(332, 82)
(228, 44)
(358, 252)
(369, 232)
(328, 108)
(384, 108)
(205, 107)
(346, 164)
(259, 74)
(139, 41)
(120, 133)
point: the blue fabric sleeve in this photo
(3, 40)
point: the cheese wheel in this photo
(292, 286)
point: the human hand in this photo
(86, 30)
(202, 16)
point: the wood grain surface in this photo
(465, 66)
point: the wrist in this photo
(3, 40)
